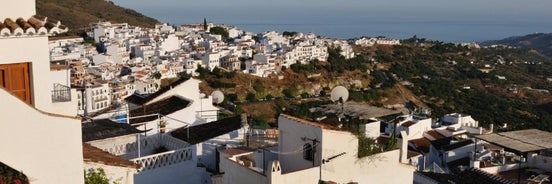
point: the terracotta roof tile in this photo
(96, 155)
(435, 134)
(35, 25)
(421, 144)
(408, 124)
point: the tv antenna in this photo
(339, 95)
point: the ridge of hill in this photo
(78, 14)
(541, 42)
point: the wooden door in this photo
(15, 79)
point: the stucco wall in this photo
(459, 153)
(35, 51)
(61, 77)
(541, 162)
(311, 175)
(68, 108)
(48, 149)
(14, 10)
(121, 175)
(237, 173)
(291, 143)
(383, 168)
(336, 143)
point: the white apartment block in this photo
(210, 60)
(95, 96)
(145, 51)
(146, 86)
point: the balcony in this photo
(61, 93)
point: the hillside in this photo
(541, 42)
(78, 14)
(495, 85)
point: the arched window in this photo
(308, 152)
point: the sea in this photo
(343, 24)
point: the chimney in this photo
(404, 147)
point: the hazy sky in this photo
(518, 10)
(467, 19)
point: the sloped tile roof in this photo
(105, 128)
(141, 99)
(96, 155)
(165, 106)
(36, 25)
(204, 132)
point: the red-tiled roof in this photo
(96, 155)
(408, 124)
(435, 134)
(36, 25)
(421, 144)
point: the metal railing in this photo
(61, 93)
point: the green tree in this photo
(219, 31)
(156, 75)
(96, 176)
(250, 96)
(204, 24)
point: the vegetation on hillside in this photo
(451, 78)
(541, 42)
(495, 85)
(78, 14)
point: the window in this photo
(308, 153)
(15, 78)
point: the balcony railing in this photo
(61, 93)
(163, 159)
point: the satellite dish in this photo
(218, 96)
(339, 94)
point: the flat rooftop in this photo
(357, 109)
(521, 141)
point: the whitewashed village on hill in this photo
(71, 107)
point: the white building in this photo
(415, 126)
(30, 115)
(65, 48)
(184, 105)
(94, 97)
(309, 152)
(169, 43)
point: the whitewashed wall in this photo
(13, 10)
(121, 175)
(35, 51)
(47, 148)
(236, 173)
(291, 142)
(539, 161)
(334, 143)
(383, 168)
